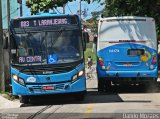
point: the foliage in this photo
(44, 5)
(7, 95)
(148, 8)
(94, 21)
(89, 52)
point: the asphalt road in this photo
(125, 102)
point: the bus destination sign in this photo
(40, 22)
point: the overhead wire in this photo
(69, 9)
(55, 9)
(58, 11)
(12, 12)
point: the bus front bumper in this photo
(152, 74)
(59, 88)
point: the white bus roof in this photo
(127, 18)
(113, 29)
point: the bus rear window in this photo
(135, 52)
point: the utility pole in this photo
(7, 54)
(21, 13)
(8, 13)
(20, 3)
(80, 11)
(64, 8)
(2, 82)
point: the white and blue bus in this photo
(126, 51)
(47, 56)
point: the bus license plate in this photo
(128, 64)
(48, 88)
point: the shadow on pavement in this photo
(141, 88)
(92, 96)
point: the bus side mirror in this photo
(5, 42)
(86, 37)
(85, 40)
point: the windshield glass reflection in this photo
(48, 47)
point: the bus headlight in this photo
(74, 77)
(21, 81)
(78, 75)
(15, 77)
(18, 80)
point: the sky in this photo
(72, 8)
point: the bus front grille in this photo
(48, 69)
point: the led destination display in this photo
(45, 21)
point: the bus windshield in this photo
(48, 47)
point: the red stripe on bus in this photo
(120, 41)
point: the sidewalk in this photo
(5, 103)
(91, 81)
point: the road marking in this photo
(88, 110)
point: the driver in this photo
(68, 48)
(21, 49)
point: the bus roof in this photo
(44, 15)
(127, 18)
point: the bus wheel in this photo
(100, 84)
(80, 96)
(24, 99)
(108, 85)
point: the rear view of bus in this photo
(126, 51)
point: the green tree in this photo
(148, 8)
(94, 21)
(44, 5)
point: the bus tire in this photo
(108, 85)
(100, 84)
(24, 99)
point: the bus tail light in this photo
(101, 61)
(154, 60)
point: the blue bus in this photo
(126, 51)
(47, 56)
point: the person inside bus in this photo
(69, 48)
(21, 49)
